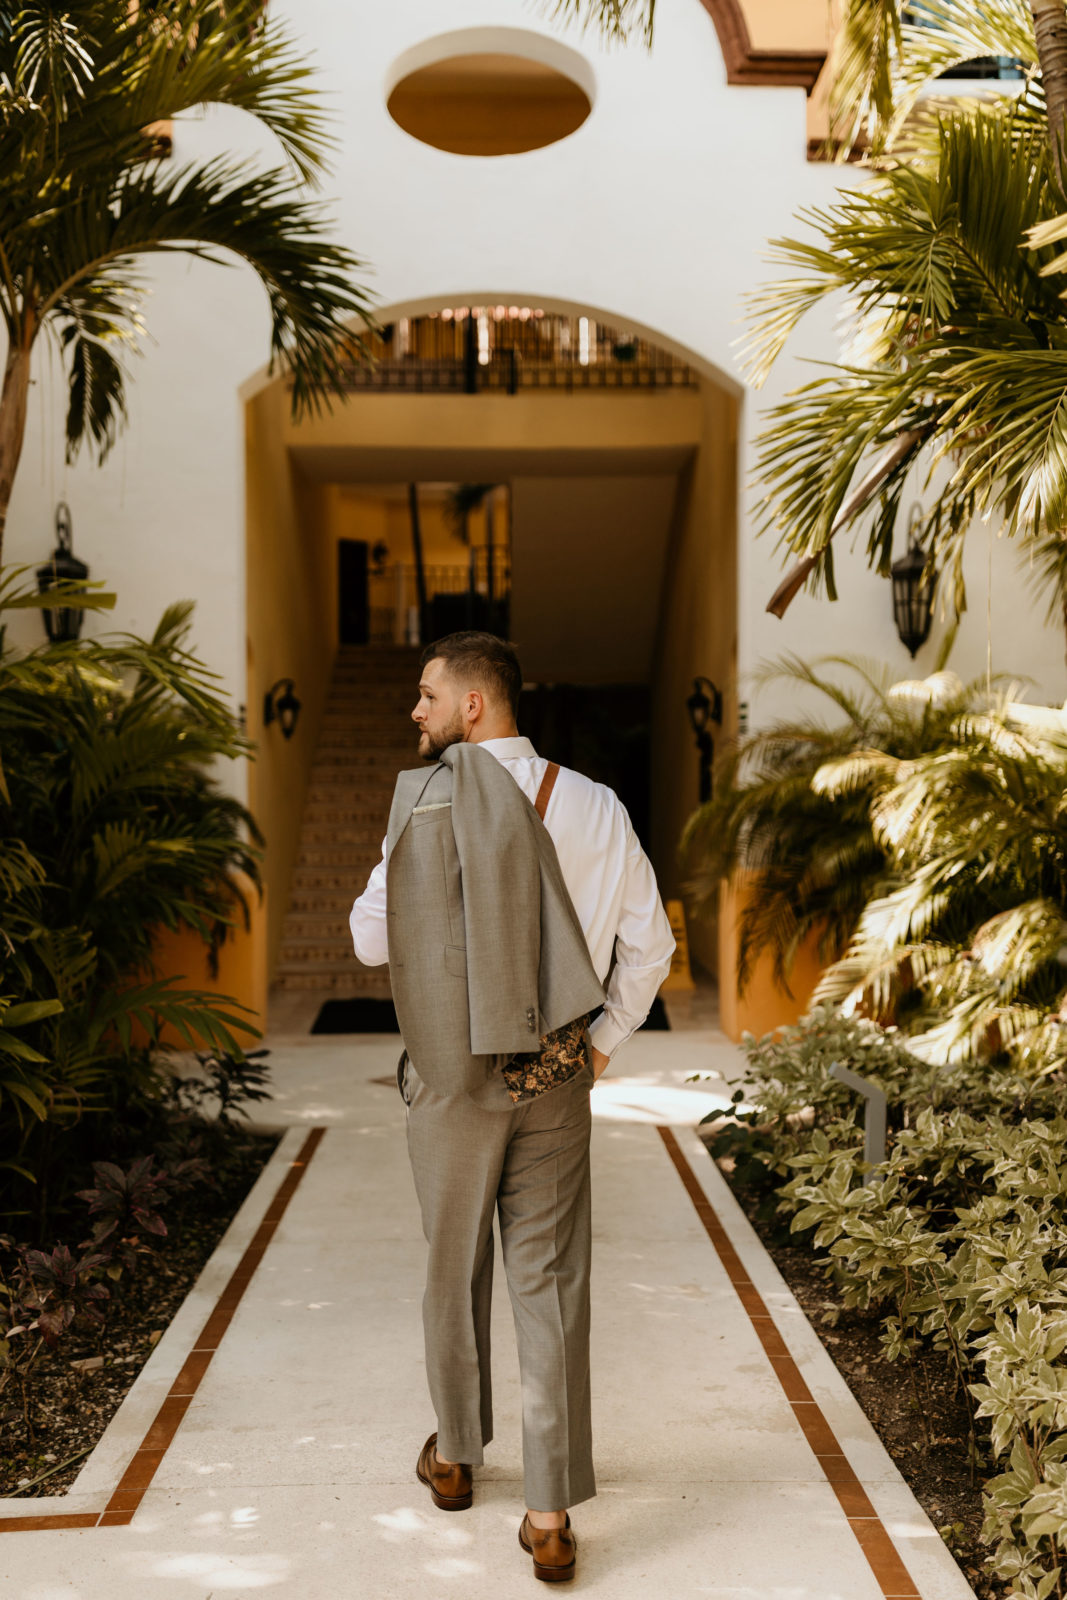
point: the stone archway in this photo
(623, 545)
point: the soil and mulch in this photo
(77, 1387)
(917, 1408)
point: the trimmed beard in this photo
(438, 743)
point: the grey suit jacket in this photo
(486, 952)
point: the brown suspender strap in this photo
(544, 794)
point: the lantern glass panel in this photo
(913, 598)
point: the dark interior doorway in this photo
(353, 620)
(601, 730)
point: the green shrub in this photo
(961, 1243)
(811, 856)
(958, 1243)
(111, 828)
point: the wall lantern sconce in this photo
(914, 582)
(283, 708)
(63, 624)
(705, 707)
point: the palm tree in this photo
(949, 263)
(969, 931)
(88, 189)
(810, 858)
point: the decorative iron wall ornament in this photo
(705, 707)
(283, 707)
(63, 624)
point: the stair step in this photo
(381, 742)
(325, 931)
(371, 706)
(361, 831)
(316, 899)
(334, 809)
(366, 738)
(342, 886)
(399, 736)
(393, 687)
(321, 951)
(351, 755)
(368, 793)
(328, 980)
(320, 901)
(374, 783)
(373, 824)
(379, 774)
(342, 858)
(368, 844)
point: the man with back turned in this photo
(526, 941)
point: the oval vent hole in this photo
(488, 105)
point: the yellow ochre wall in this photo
(291, 633)
(787, 24)
(697, 637)
(481, 437)
(764, 1005)
(307, 486)
(182, 956)
(242, 968)
(380, 514)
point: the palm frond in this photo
(616, 19)
(889, 52)
(949, 259)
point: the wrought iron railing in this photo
(474, 594)
(471, 349)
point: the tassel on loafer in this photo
(451, 1487)
(553, 1550)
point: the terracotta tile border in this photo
(146, 1459)
(893, 1577)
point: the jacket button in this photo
(531, 1019)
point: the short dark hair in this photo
(483, 660)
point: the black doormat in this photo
(657, 1020)
(356, 1016)
(379, 1016)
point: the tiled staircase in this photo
(367, 738)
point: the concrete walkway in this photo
(732, 1460)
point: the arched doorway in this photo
(605, 461)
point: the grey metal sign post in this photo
(874, 1120)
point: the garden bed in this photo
(917, 1410)
(70, 1407)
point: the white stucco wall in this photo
(655, 213)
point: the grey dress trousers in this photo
(528, 1163)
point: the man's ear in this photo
(473, 705)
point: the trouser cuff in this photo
(559, 1494)
(467, 1451)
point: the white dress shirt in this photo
(608, 876)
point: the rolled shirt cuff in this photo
(606, 1035)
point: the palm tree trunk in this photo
(1050, 29)
(13, 399)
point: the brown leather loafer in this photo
(553, 1550)
(451, 1488)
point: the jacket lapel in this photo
(409, 790)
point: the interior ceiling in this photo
(417, 464)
